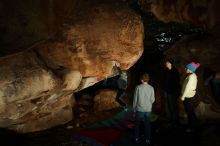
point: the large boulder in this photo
(105, 100)
(39, 114)
(95, 36)
(23, 23)
(90, 40)
(31, 95)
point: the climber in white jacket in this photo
(188, 93)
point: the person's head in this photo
(145, 78)
(191, 67)
(168, 63)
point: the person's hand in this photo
(182, 98)
(117, 64)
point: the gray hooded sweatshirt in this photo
(143, 98)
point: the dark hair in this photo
(145, 77)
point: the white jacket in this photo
(189, 86)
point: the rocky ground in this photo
(92, 106)
(57, 136)
(163, 133)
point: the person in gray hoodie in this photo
(142, 105)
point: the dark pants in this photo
(120, 94)
(172, 107)
(139, 116)
(190, 110)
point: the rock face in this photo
(105, 100)
(22, 24)
(91, 37)
(31, 95)
(36, 85)
(205, 111)
(201, 48)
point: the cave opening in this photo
(59, 71)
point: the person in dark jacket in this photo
(122, 85)
(172, 90)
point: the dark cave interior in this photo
(183, 40)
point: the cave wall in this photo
(202, 13)
(22, 24)
(202, 47)
(51, 49)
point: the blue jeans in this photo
(138, 118)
